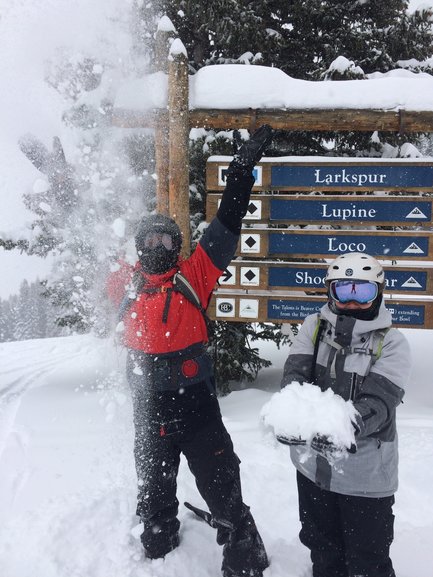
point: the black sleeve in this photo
(236, 198)
(219, 243)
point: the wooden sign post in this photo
(178, 186)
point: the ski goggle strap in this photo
(154, 239)
(360, 291)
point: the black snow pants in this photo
(347, 536)
(188, 420)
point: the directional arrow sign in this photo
(331, 243)
(228, 277)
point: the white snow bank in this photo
(233, 86)
(67, 479)
(305, 410)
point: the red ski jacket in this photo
(143, 315)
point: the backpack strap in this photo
(317, 335)
(182, 285)
(375, 351)
(379, 336)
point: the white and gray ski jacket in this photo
(369, 363)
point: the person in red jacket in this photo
(172, 381)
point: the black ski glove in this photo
(327, 449)
(291, 440)
(248, 153)
(236, 196)
(324, 446)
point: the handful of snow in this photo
(302, 411)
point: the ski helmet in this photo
(160, 255)
(356, 266)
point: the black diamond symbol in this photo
(250, 242)
(252, 208)
(250, 275)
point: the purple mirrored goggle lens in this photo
(345, 291)
(154, 239)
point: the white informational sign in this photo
(250, 275)
(249, 308)
(250, 243)
(225, 307)
(228, 277)
(254, 211)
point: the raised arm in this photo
(221, 238)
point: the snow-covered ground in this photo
(67, 479)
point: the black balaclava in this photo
(158, 260)
(360, 314)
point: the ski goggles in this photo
(154, 239)
(360, 291)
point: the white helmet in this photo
(356, 265)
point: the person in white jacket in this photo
(345, 506)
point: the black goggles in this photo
(360, 291)
(154, 239)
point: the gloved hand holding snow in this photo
(304, 412)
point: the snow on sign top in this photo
(237, 86)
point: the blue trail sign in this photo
(361, 176)
(331, 243)
(348, 209)
(249, 307)
(311, 278)
(296, 310)
(365, 209)
(265, 275)
(331, 174)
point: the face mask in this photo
(359, 314)
(158, 260)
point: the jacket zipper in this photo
(352, 387)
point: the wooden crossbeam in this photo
(317, 120)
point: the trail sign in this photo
(331, 243)
(331, 173)
(355, 175)
(368, 210)
(294, 309)
(254, 290)
(268, 275)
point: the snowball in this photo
(118, 227)
(41, 185)
(305, 410)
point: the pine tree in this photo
(220, 32)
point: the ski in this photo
(205, 515)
